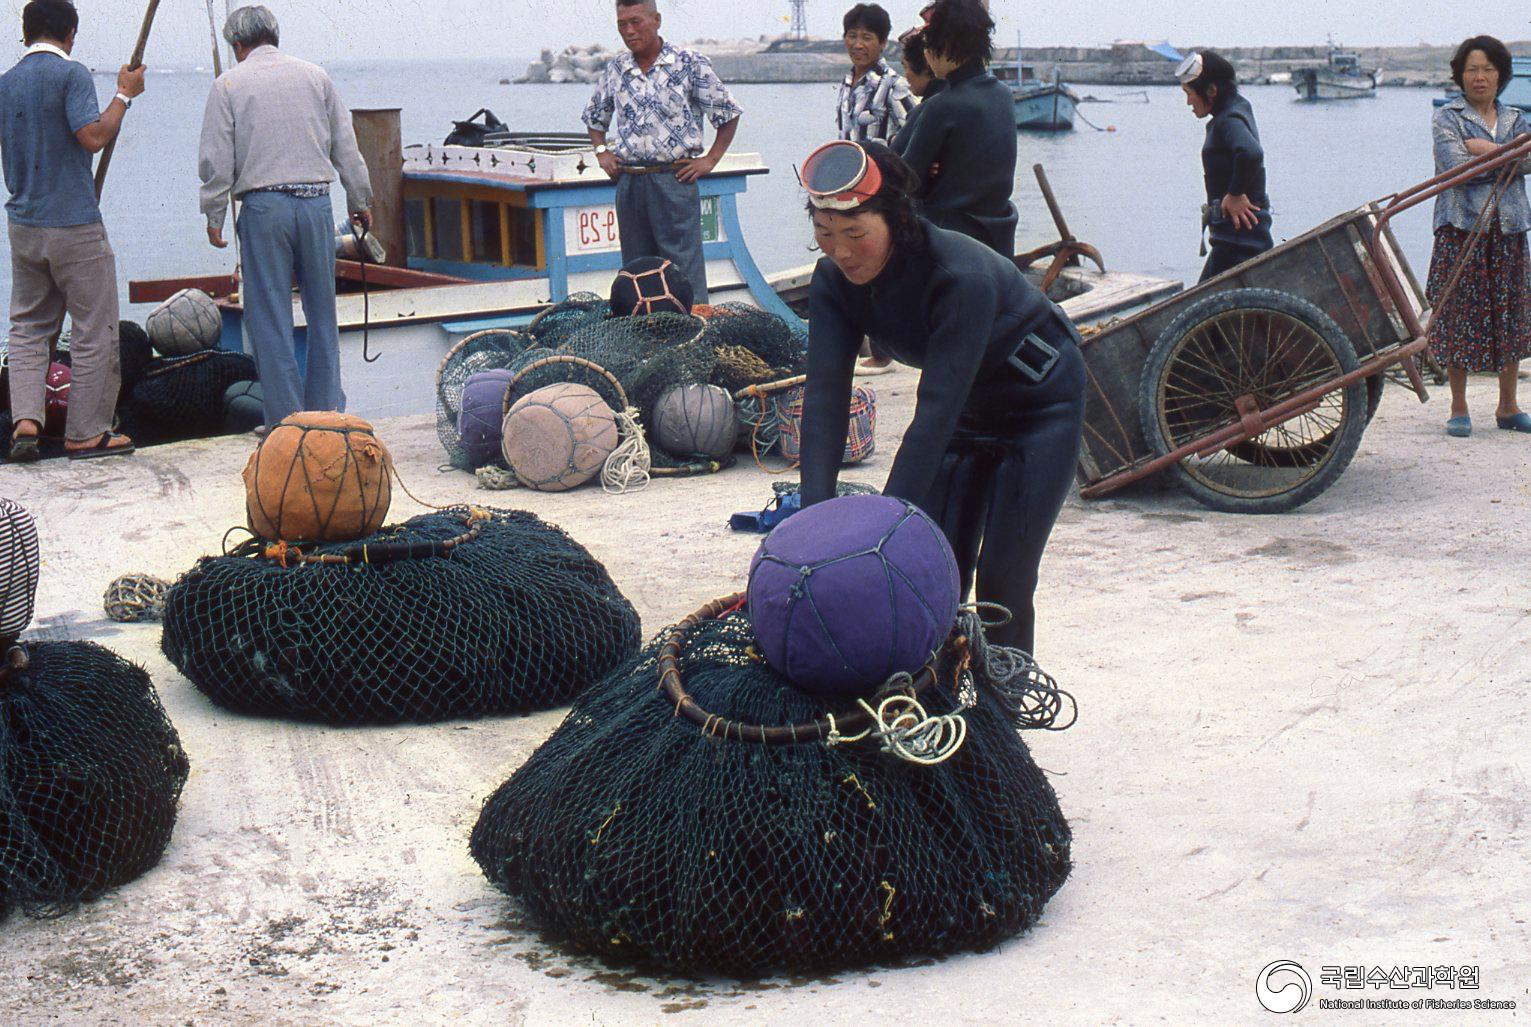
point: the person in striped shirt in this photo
(875, 101)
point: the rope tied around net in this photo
(287, 555)
(895, 716)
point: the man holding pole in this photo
(61, 260)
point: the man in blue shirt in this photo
(652, 100)
(61, 261)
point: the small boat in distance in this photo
(1040, 105)
(1516, 94)
(1341, 78)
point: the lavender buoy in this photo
(852, 591)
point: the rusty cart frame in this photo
(1253, 388)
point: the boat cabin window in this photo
(414, 228)
(447, 215)
(484, 224)
(468, 230)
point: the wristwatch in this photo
(603, 148)
(127, 101)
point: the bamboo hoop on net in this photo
(630, 466)
(763, 392)
(462, 344)
(829, 729)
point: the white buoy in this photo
(187, 322)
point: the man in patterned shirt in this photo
(874, 100)
(657, 95)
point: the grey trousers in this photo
(55, 271)
(661, 216)
(282, 237)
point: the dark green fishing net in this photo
(91, 772)
(520, 618)
(633, 834)
(178, 398)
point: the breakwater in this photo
(1131, 63)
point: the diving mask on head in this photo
(840, 176)
(1190, 69)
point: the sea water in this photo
(1134, 192)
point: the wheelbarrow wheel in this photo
(1258, 346)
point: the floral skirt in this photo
(1486, 323)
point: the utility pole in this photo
(799, 20)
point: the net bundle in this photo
(754, 346)
(180, 398)
(91, 772)
(482, 351)
(665, 832)
(459, 613)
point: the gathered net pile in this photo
(484, 351)
(754, 346)
(635, 834)
(182, 397)
(91, 772)
(520, 617)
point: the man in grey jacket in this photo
(274, 135)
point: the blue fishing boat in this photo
(1516, 94)
(486, 236)
(1041, 105)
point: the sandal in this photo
(24, 449)
(1459, 427)
(103, 447)
(1518, 421)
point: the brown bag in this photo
(318, 477)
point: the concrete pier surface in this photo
(1301, 738)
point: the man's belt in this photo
(650, 169)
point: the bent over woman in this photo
(991, 452)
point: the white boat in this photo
(1341, 78)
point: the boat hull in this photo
(1327, 86)
(1049, 109)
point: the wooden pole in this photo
(137, 61)
(380, 140)
(212, 26)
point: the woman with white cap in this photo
(1237, 216)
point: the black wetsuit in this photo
(1234, 164)
(990, 454)
(900, 141)
(969, 130)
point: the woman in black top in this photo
(963, 148)
(991, 452)
(922, 83)
(1237, 217)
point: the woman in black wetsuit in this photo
(1237, 215)
(963, 147)
(990, 454)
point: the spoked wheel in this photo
(1246, 350)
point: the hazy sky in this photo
(516, 29)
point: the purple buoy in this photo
(852, 591)
(481, 415)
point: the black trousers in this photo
(1231, 246)
(1004, 479)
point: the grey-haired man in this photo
(274, 135)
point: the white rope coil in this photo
(629, 466)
